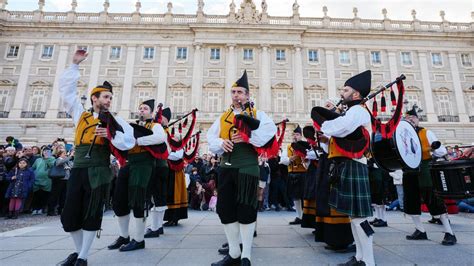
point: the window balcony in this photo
(448, 118)
(4, 114)
(64, 115)
(32, 114)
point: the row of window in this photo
(214, 101)
(248, 55)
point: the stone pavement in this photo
(196, 240)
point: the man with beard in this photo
(90, 176)
(418, 185)
(234, 135)
(132, 181)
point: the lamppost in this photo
(83, 100)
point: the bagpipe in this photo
(355, 144)
(245, 122)
(107, 120)
(177, 142)
(158, 151)
(190, 151)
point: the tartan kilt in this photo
(351, 195)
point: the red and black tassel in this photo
(374, 107)
(392, 97)
(383, 103)
(185, 123)
(172, 132)
(180, 128)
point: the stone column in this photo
(20, 95)
(196, 87)
(392, 62)
(128, 83)
(265, 90)
(163, 75)
(428, 95)
(331, 76)
(60, 66)
(361, 61)
(458, 94)
(230, 74)
(95, 67)
(298, 87)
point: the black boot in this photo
(417, 235)
(9, 215)
(151, 234)
(119, 242)
(225, 245)
(133, 245)
(245, 262)
(380, 223)
(449, 240)
(70, 260)
(80, 262)
(374, 221)
(227, 261)
(296, 221)
(161, 231)
(16, 214)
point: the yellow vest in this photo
(140, 149)
(227, 123)
(425, 144)
(333, 151)
(85, 130)
(297, 165)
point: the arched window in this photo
(314, 96)
(6, 89)
(38, 102)
(178, 102)
(282, 98)
(213, 97)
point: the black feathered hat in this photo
(412, 112)
(166, 113)
(150, 103)
(298, 129)
(361, 83)
(242, 82)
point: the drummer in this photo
(418, 185)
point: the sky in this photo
(427, 10)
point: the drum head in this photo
(408, 144)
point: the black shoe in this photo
(223, 251)
(374, 221)
(449, 240)
(119, 242)
(161, 231)
(350, 262)
(291, 209)
(151, 234)
(380, 223)
(435, 221)
(278, 208)
(171, 223)
(80, 262)
(417, 235)
(296, 221)
(225, 245)
(245, 262)
(70, 260)
(133, 245)
(227, 261)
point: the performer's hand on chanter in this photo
(79, 56)
(323, 139)
(101, 132)
(237, 138)
(227, 145)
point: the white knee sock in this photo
(298, 208)
(87, 239)
(154, 215)
(382, 213)
(376, 211)
(358, 254)
(232, 232)
(246, 234)
(139, 229)
(366, 243)
(446, 225)
(77, 238)
(161, 216)
(417, 222)
(123, 222)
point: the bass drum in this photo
(453, 179)
(401, 151)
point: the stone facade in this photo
(188, 61)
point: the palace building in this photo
(191, 60)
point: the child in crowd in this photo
(213, 201)
(21, 182)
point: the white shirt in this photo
(259, 137)
(441, 151)
(72, 104)
(159, 136)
